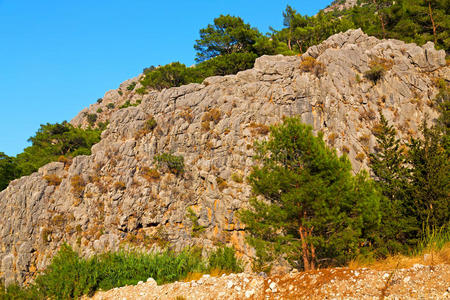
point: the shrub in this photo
(375, 73)
(196, 228)
(237, 178)
(120, 92)
(221, 183)
(378, 67)
(131, 86)
(260, 129)
(99, 110)
(141, 91)
(310, 64)
(173, 163)
(92, 118)
(360, 157)
(225, 259)
(69, 276)
(150, 174)
(110, 105)
(78, 184)
(99, 100)
(150, 124)
(52, 179)
(120, 185)
(128, 104)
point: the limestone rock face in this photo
(116, 197)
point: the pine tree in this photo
(308, 205)
(388, 163)
(430, 161)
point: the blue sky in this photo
(57, 56)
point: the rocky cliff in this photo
(117, 197)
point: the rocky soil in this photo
(418, 282)
(116, 196)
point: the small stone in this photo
(206, 276)
(262, 274)
(406, 279)
(356, 273)
(237, 288)
(249, 293)
(140, 282)
(230, 284)
(273, 287)
(246, 280)
(152, 282)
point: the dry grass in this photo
(428, 257)
(310, 64)
(259, 129)
(53, 179)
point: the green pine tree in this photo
(308, 205)
(398, 228)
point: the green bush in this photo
(375, 73)
(131, 86)
(99, 100)
(173, 163)
(128, 104)
(92, 118)
(69, 276)
(225, 259)
(141, 91)
(150, 124)
(110, 105)
(99, 110)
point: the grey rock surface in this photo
(114, 197)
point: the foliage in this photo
(110, 105)
(415, 182)
(226, 64)
(131, 86)
(225, 259)
(173, 163)
(227, 35)
(54, 140)
(69, 276)
(196, 227)
(50, 143)
(9, 170)
(398, 226)
(430, 176)
(129, 104)
(312, 210)
(171, 75)
(150, 124)
(411, 21)
(91, 118)
(310, 64)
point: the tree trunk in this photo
(308, 251)
(381, 19)
(432, 22)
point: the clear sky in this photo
(59, 56)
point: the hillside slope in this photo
(115, 196)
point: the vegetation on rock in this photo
(50, 143)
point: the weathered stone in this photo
(124, 197)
